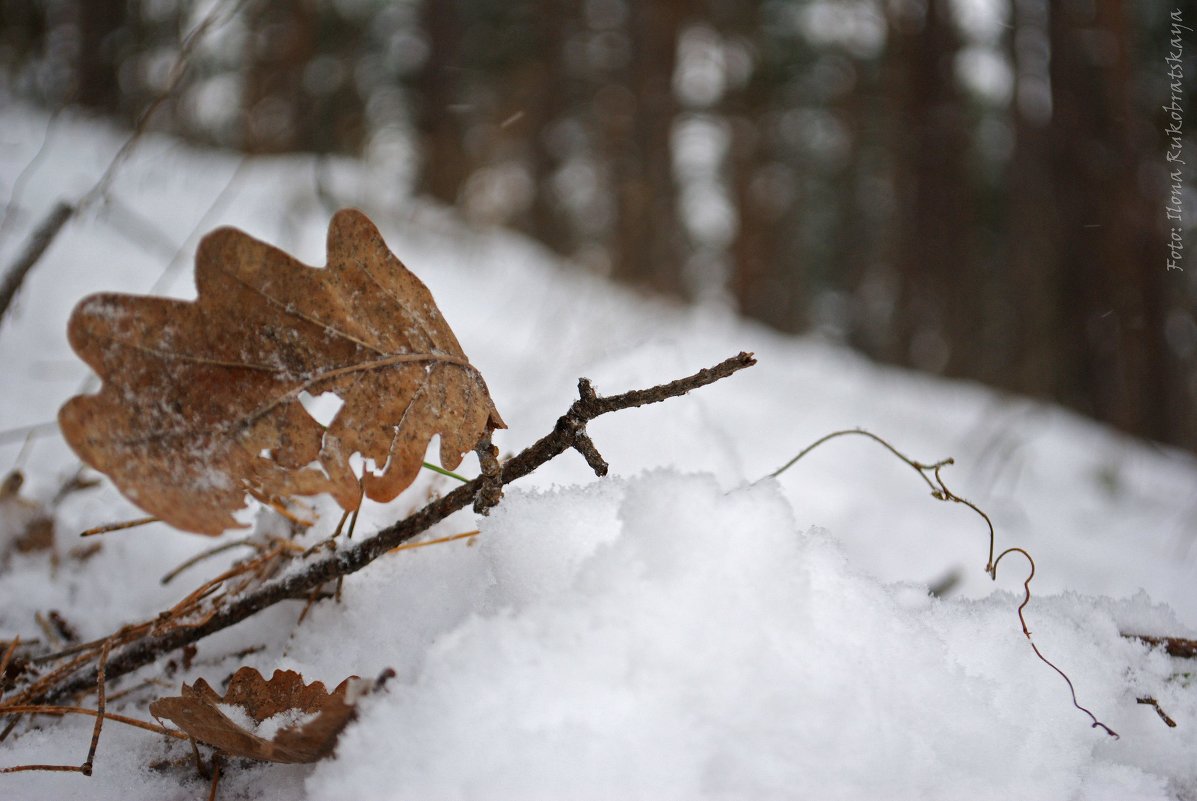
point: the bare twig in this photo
(491, 490)
(121, 526)
(18, 186)
(42, 768)
(465, 535)
(149, 645)
(203, 224)
(940, 491)
(35, 246)
(5, 658)
(217, 762)
(82, 710)
(1164, 716)
(100, 715)
(1026, 585)
(245, 542)
(136, 688)
(1149, 701)
(101, 703)
(1173, 646)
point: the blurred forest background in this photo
(974, 188)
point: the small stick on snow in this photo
(300, 584)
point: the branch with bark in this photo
(75, 671)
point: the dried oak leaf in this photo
(200, 401)
(302, 721)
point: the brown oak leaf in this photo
(280, 720)
(201, 399)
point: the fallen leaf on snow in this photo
(201, 400)
(280, 720)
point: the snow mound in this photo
(658, 637)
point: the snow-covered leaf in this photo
(280, 720)
(202, 401)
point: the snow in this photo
(239, 717)
(269, 727)
(680, 629)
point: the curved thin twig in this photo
(940, 491)
(1026, 585)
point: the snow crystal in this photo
(238, 716)
(105, 309)
(266, 728)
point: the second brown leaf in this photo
(307, 717)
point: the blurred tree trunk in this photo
(649, 246)
(444, 163)
(852, 248)
(281, 43)
(1033, 293)
(545, 103)
(764, 278)
(935, 314)
(1111, 359)
(97, 70)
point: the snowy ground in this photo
(673, 631)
